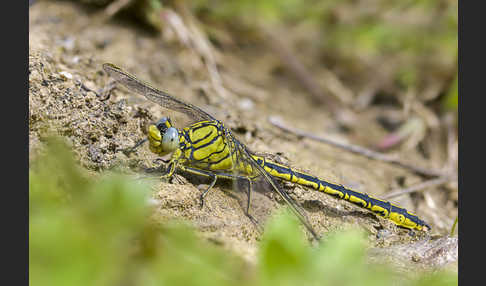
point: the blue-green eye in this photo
(170, 139)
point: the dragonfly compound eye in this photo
(170, 139)
(163, 124)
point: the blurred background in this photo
(362, 93)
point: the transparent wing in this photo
(243, 157)
(155, 95)
(238, 152)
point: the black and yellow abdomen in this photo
(203, 145)
(399, 216)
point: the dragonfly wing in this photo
(238, 152)
(153, 94)
(244, 156)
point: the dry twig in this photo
(190, 35)
(293, 64)
(418, 187)
(115, 6)
(357, 150)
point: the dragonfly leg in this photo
(161, 160)
(249, 197)
(204, 173)
(169, 171)
(160, 168)
(201, 198)
(157, 169)
(230, 176)
(247, 212)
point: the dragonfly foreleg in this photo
(170, 170)
(158, 169)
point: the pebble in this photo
(66, 75)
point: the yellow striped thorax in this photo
(201, 145)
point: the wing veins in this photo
(295, 208)
(167, 101)
(155, 95)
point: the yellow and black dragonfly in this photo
(209, 149)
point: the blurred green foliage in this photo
(286, 259)
(416, 38)
(98, 231)
(451, 100)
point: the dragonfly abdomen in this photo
(399, 216)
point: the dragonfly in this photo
(208, 148)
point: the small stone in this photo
(67, 75)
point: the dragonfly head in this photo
(163, 137)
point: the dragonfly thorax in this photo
(163, 137)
